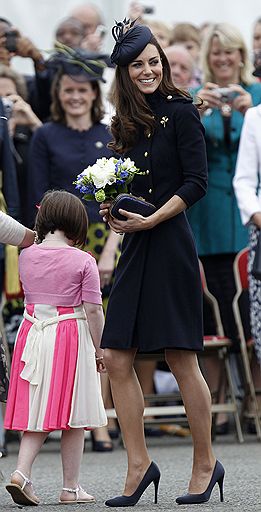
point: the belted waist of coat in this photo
(32, 350)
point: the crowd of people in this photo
(201, 163)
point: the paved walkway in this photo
(103, 475)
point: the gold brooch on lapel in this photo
(164, 120)
(99, 144)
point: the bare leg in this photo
(30, 446)
(197, 402)
(213, 367)
(145, 371)
(129, 405)
(72, 443)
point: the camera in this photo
(8, 107)
(11, 40)
(226, 94)
(101, 30)
(257, 63)
(147, 9)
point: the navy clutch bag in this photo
(131, 204)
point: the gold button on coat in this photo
(147, 172)
(150, 191)
(169, 97)
(146, 153)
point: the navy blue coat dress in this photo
(156, 299)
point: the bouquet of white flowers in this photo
(106, 179)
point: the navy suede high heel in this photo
(152, 475)
(217, 477)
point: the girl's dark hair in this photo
(64, 211)
(132, 110)
(58, 114)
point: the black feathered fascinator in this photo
(130, 41)
(76, 63)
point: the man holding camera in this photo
(94, 27)
(13, 43)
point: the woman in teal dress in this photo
(229, 90)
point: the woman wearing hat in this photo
(63, 147)
(155, 303)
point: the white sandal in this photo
(89, 499)
(18, 492)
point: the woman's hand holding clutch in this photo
(134, 222)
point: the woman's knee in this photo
(118, 363)
(181, 361)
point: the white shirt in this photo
(247, 180)
(11, 232)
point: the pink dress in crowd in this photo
(54, 384)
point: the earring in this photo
(241, 64)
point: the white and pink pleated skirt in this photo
(54, 384)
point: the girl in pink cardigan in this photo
(55, 382)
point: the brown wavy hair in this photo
(64, 211)
(132, 110)
(57, 111)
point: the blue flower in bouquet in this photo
(107, 178)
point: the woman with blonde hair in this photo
(230, 38)
(229, 90)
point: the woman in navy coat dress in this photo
(155, 303)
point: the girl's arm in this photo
(95, 317)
